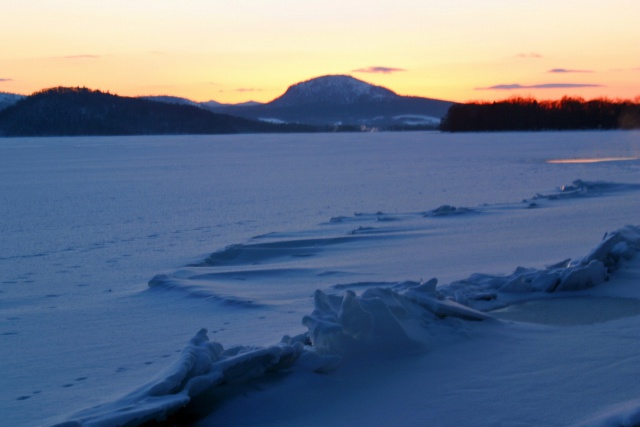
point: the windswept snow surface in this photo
(287, 280)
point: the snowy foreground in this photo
(287, 280)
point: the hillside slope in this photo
(80, 111)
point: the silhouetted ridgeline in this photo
(80, 111)
(529, 114)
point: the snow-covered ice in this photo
(291, 279)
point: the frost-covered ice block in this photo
(621, 244)
(582, 277)
(383, 320)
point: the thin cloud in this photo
(248, 89)
(567, 70)
(81, 57)
(241, 89)
(623, 70)
(517, 86)
(5, 80)
(533, 55)
(379, 70)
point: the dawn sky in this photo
(238, 50)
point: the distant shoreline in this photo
(526, 114)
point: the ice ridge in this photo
(202, 366)
(482, 290)
(407, 317)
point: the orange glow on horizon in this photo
(253, 50)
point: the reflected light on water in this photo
(593, 160)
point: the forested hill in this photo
(520, 114)
(79, 111)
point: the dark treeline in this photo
(529, 114)
(79, 111)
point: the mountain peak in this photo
(332, 89)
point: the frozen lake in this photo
(235, 233)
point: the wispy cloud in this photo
(533, 55)
(5, 80)
(81, 57)
(241, 89)
(247, 89)
(567, 70)
(623, 70)
(516, 86)
(379, 70)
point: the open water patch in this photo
(569, 311)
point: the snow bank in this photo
(202, 366)
(408, 315)
(380, 321)
(580, 188)
(194, 289)
(482, 290)
(447, 210)
(402, 318)
(254, 253)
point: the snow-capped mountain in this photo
(344, 100)
(333, 89)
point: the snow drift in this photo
(399, 319)
(202, 366)
(482, 290)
